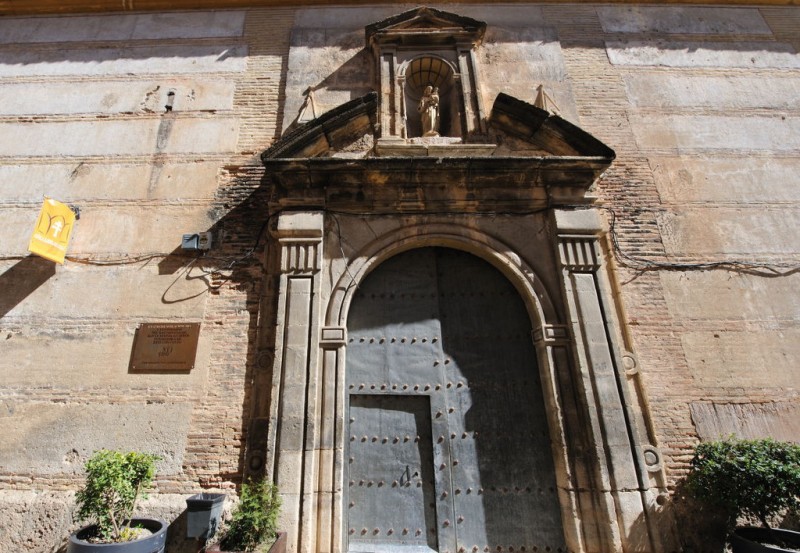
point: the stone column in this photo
(474, 115)
(295, 404)
(620, 486)
(552, 346)
(390, 96)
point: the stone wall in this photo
(700, 104)
(85, 121)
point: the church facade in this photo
(474, 277)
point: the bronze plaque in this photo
(164, 347)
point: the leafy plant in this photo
(254, 519)
(114, 483)
(757, 478)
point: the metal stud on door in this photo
(441, 368)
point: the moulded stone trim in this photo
(551, 334)
(300, 256)
(333, 337)
(537, 299)
(579, 253)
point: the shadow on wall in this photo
(352, 77)
(22, 280)
(700, 528)
(241, 262)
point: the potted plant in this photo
(115, 481)
(253, 522)
(754, 479)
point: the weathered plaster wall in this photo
(700, 104)
(84, 120)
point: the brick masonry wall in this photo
(700, 106)
(68, 332)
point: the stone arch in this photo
(537, 300)
(546, 325)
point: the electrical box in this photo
(198, 241)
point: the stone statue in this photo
(429, 111)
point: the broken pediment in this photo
(337, 161)
(539, 129)
(518, 129)
(425, 25)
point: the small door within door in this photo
(448, 446)
(391, 473)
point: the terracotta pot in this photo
(278, 547)
(748, 539)
(150, 544)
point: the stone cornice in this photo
(43, 7)
(427, 184)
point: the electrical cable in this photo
(625, 259)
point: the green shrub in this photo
(756, 478)
(254, 519)
(114, 483)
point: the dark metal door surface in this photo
(446, 418)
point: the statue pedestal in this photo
(431, 146)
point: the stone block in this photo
(332, 61)
(667, 53)
(298, 224)
(712, 230)
(79, 291)
(778, 420)
(115, 97)
(125, 230)
(716, 132)
(353, 18)
(746, 180)
(682, 20)
(720, 295)
(141, 26)
(36, 520)
(108, 138)
(288, 477)
(82, 182)
(516, 61)
(759, 358)
(57, 438)
(97, 355)
(133, 60)
(632, 521)
(735, 92)
(580, 221)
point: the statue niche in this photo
(431, 100)
(420, 48)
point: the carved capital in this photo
(551, 335)
(332, 337)
(300, 236)
(579, 253)
(300, 256)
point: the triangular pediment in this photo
(425, 22)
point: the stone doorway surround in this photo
(348, 194)
(609, 478)
(531, 218)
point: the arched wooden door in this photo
(448, 447)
